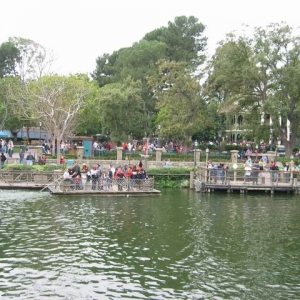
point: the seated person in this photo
(66, 175)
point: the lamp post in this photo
(108, 134)
(206, 158)
(271, 139)
(158, 139)
(195, 147)
(40, 124)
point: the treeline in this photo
(164, 79)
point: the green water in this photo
(182, 245)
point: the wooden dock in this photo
(53, 183)
(113, 192)
(265, 181)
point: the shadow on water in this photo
(182, 245)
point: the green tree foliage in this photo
(183, 38)
(9, 57)
(120, 109)
(4, 101)
(260, 75)
(181, 107)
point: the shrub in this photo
(18, 167)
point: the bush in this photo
(18, 167)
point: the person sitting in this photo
(66, 175)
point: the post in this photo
(119, 153)
(79, 153)
(158, 139)
(206, 157)
(158, 153)
(40, 123)
(271, 139)
(195, 148)
(192, 179)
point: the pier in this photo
(266, 181)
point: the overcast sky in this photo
(78, 31)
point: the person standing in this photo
(29, 159)
(3, 159)
(21, 156)
(120, 178)
(10, 148)
(255, 172)
(247, 172)
(287, 172)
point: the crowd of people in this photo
(101, 179)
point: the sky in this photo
(79, 31)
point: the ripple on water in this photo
(175, 247)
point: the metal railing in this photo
(26, 178)
(254, 177)
(54, 178)
(106, 184)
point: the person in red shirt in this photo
(129, 176)
(120, 178)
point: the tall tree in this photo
(182, 108)
(260, 74)
(184, 40)
(9, 57)
(120, 109)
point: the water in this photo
(182, 245)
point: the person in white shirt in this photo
(10, 148)
(66, 175)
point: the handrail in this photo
(51, 183)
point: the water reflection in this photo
(182, 245)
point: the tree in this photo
(120, 109)
(184, 40)
(181, 107)
(54, 100)
(9, 57)
(260, 74)
(34, 59)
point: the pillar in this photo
(119, 153)
(271, 155)
(79, 152)
(158, 153)
(192, 179)
(39, 152)
(198, 155)
(234, 156)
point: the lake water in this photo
(181, 245)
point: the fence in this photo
(106, 184)
(254, 177)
